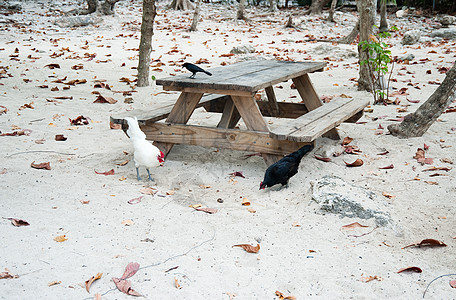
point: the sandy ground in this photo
(303, 253)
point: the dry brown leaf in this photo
(84, 201)
(249, 248)
(60, 137)
(176, 284)
(437, 169)
(325, 159)
(89, 282)
(18, 222)
(125, 287)
(245, 202)
(251, 210)
(195, 205)
(115, 126)
(347, 140)
(296, 224)
(103, 99)
(353, 226)
(387, 195)
(54, 283)
(427, 242)
(123, 163)
(60, 238)
(110, 172)
(356, 163)
(207, 210)
(7, 275)
(410, 269)
(370, 278)
(388, 167)
(431, 182)
(148, 191)
(283, 297)
(127, 222)
(3, 171)
(203, 186)
(45, 165)
(170, 193)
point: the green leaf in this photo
(153, 77)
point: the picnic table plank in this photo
(272, 101)
(235, 139)
(242, 78)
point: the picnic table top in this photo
(248, 76)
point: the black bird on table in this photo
(284, 169)
(194, 69)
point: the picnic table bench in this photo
(230, 91)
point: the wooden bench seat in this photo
(317, 122)
(151, 116)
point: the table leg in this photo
(311, 100)
(272, 100)
(251, 114)
(180, 114)
(230, 115)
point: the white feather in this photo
(133, 130)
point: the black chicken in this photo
(284, 169)
(195, 69)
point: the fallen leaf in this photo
(176, 284)
(427, 242)
(115, 126)
(170, 193)
(148, 191)
(353, 226)
(203, 186)
(7, 275)
(122, 178)
(387, 195)
(249, 248)
(81, 120)
(40, 142)
(3, 109)
(283, 297)
(135, 200)
(89, 282)
(18, 222)
(125, 287)
(110, 172)
(84, 201)
(45, 165)
(388, 167)
(325, 159)
(52, 66)
(130, 270)
(251, 210)
(123, 163)
(437, 169)
(127, 222)
(453, 283)
(17, 133)
(347, 140)
(54, 283)
(296, 224)
(207, 210)
(370, 278)
(431, 182)
(97, 296)
(410, 269)
(60, 137)
(245, 202)
(356, 163)
(195, 205)
(237, 173)
(103, 99)
(3, 171)
(60, 238)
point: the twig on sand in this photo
(435, 280)
(35, 151)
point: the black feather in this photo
(195, 69)
(284, 169)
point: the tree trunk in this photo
(241, 10)
(196, 16)
(145, 44)
(351, 37)
(383, 17)
(331, 11)
(289, 22)
(273, 5)
(107, 7)
(366, 10)
(417, 123)
(181, 5)
(317, 6)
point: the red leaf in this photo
(426, 147)
(356, 163)
(103, 99)
(125, 287)
(383, 153)
(427, 242)
(249, 248)
(325, 159)
(135, 200)
(110, 172)
(81, 120)
(45, 165)
(410, 269)
(347, 140)
(18, 222)
(388, 167)
(130, 270)
(453, 284)
(237, 173)
(60, 137)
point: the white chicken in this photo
(146, 154)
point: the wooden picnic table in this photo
(231, 91)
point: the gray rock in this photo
(336, 196)
(77, 21)
(14, 6)
(447, 33)
(411, 37)
(243, 49)
(446, 20)
(327, 49)
(408, 57)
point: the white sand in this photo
(200, 244)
